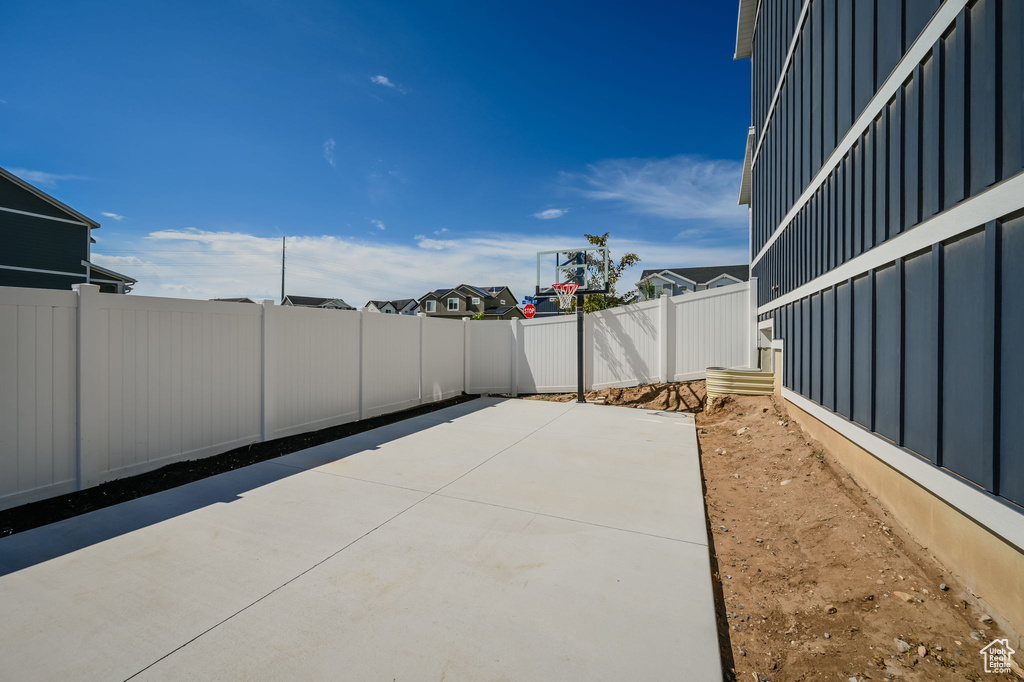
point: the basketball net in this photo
(565, 292)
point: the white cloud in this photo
(425, 242)
(43, 178)
(441, 231)
(112, 216)
(195, 263)
(328, 149)
(678, 188)
(379, 224)
(383, 80)
(551, 213)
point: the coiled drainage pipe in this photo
(740, 380)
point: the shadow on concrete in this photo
(43, 543)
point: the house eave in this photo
(745, 20)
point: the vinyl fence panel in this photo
(171, 379)
(547, 355)
(391, 362)
(444, 354)
(626, 345)
(38, 388)
(490, 356)
(710, 330)
(313, 362)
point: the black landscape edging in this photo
(51, 510)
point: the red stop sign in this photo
(529, 310)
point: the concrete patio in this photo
(493, 540)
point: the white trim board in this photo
(964, 497)
(44, 217)
(48, 272)
(995, 202)
(781, 81)
(941, 20)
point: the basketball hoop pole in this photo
(579, 349)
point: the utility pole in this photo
(282, 270)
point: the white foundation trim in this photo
(941, 20)
(961, 495)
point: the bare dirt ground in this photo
(678, 396)
(817, 580)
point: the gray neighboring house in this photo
(402, 306)
(406, 306)
(675, 281)
(380, 307)
(316, 302)
(46, 244)
(495, 303)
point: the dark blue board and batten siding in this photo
(40, 246)
(923, 350)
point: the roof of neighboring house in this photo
(702, 275)
(307, 300)
(501, 310)
(402, 302)
(483, 291)
(234, 300)
(110, 274)
(72, 213)
(313, 301)
(378, 304)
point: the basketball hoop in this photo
(565, 293)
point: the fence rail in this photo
(96, 386)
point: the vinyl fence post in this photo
(664, 334)
(589, 349)
(752, 356)
(362, 363)
(268, 378)
(422, 326)
(517, 344)
(467, 347)
(91, 403)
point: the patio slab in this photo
(492, 540)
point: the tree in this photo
(594, 302)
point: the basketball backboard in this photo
(586, 266)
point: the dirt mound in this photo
(687, 396)
(816, 580)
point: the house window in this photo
(453, 304)
(476, 300)
(431, 306)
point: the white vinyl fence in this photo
(95, 386)
(670, 339)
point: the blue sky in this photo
(399, 146)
